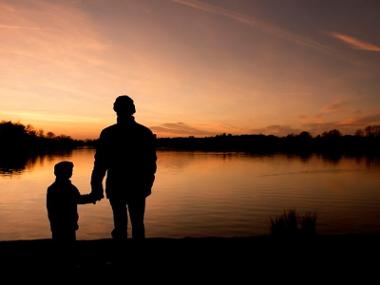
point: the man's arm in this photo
(151, 166)
(99, 170)
(152, 155)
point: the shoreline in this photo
(104, 253)
(233, 260)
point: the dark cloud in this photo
(254, 22)
(349, 125)
(278, 130)
(331, 108)
(368, 120)
(180, 129)
(334, 107)
(319, 128)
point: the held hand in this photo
(96, 197)
(97, 192)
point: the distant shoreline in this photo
(19, 140)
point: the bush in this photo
(289, 224)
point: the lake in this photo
(203, 194)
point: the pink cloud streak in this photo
(355, 43)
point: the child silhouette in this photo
(61, 201)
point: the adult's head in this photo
(124, 106)
(63, 169)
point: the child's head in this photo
(63, 169)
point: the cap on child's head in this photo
(63, 169)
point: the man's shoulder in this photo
(143, 129)
(108, 130)
(115, 130)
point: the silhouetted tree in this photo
(305, 135)
(372, 131)
(332, 134)
(50, 135)
(359, 133)
(21, 144)
(17, 137)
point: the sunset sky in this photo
(193, 67)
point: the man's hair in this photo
(124, 105)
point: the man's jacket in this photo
(126, 152)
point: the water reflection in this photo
(17, 163)
(205, 194)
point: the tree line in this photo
(364, 142)
(25, 139)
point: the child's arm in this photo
(86, 199)
(83, 199)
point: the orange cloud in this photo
(43, 31)
(51, 52)
(14, 27)
(49, 117)
(355, 43)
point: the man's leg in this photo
(64, 235)
(136, 209)
(120, 218)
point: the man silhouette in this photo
(126, 152)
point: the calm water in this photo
(207, 194)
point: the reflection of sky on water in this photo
(207, 194)
(16, 164)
